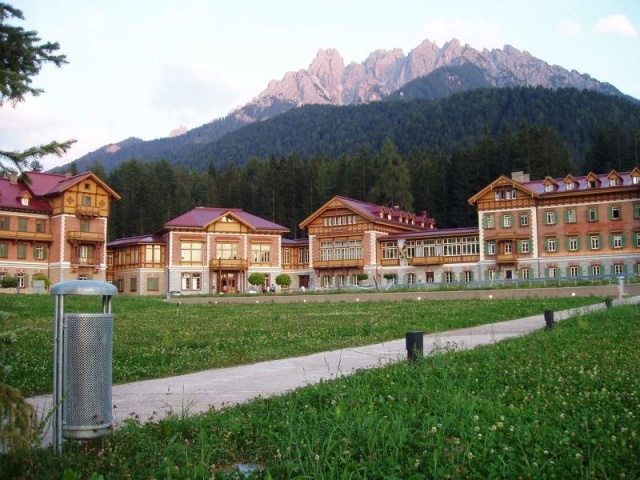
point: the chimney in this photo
(67, 175)
(14, 178)
(520, 177)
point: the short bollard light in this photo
(548, 319)
(414, 345)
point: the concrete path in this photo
(198, 392)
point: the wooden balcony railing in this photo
(506, 258)
(228, 264)
(82, 261)
(34, 236)
(87, 211)
(356, 263)
(85, 236)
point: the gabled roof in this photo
(142, 239)
(377, 214)
(46, 184)
(437, 232)
(201, 217)
(501, 182)
(12, 193)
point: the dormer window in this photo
(613, 182)
(592, 184)
(635, 179)
(25, 201)
(570, 186)
(548, 187)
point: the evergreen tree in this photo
(393, 184)
(21, 58)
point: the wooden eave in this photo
(84, 177)
(323, 209)
(235, 217)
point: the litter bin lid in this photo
(84, 287)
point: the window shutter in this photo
(578, 243)
(579, 271)
(501, 221)
(566, 216)
(546, 272)
(624, 268)
(471, 276)
(609, 213)
(519, 246)
(623, 241)
(484, 221)
(546, 244)
(46, 252)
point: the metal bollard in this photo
(414, 345)
(548, 318)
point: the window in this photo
(153, 284)
(524, 219)
(86, 254)
(286, 256)
(525, 273)
(41, 226)
(86, 201)
(613, 182)
(454, 246)
(468, 276)
(4, 249)
(22, 224)
(489, 221)
(153, 254)
(508, 247)
(20, 280)
(618, 269)
(448, 277)
(22, 250)
(637, 242)
(617, 240)
(411, 278)
(552, 272)
(227, 251)
(595, 242)
(595, 270)
(636, 213)
(191, 253)
(573, 271)
(84, 225)
(38, 252)
(191, 281)
(492, 274)
(551, 244)
(133, 284)
(548, 187)
(570, 215)
(635, 179)
(506, 221)
(614, 212)
(491, 248)
(573, 244)
(569, 186)
(261, 252)
(389, 250)
(550, 217)
(592, 214)
(4, 222)
(524, 246)
(303, 255)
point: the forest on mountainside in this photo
(288, 188)
(446, 124)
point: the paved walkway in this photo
(198, 392)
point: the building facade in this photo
(576, 227)
(53, 227)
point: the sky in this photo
(142, 68)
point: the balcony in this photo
(34, 236)
(506, 258)
(355, 263)
(83, 261)
(85, 236)
(442, 259)
(228, 264)
(86, 211)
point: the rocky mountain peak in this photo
(328, 81)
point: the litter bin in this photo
(82, 364)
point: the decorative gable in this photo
(570, 183)
(593, 181)
(549, 185)
(615, 180)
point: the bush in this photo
(283, 280)
(362, 277)
(40, 276)
(256, 279)
(10, 281)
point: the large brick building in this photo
(577, 227)
(54, 227)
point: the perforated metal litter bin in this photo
(82, 364)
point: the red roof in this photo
(200, 217)
(624, 179)
(398, 216)
(142, 239)
(11, 195)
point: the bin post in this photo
(82, 365)
(414, 345)
(548, 319)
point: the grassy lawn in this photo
(560, 403)
(155, 339)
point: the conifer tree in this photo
(22, 55)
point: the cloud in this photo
(568, 28)
(618, 24)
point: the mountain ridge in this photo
(328, 81)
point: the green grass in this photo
(560, 403)
(155, 339)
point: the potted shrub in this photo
(361, 277)
(283, 280)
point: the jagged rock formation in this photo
(328, 81)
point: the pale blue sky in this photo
(144, 67)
